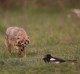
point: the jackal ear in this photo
(28, 38)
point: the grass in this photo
(50, 32)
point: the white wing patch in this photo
(52, 59)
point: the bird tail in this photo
(72, 61)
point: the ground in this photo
(50, 32)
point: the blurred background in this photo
(53, 27)
(57, 4)
(59, 20)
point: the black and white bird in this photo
(49, 58)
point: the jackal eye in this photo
(19, 42)
(26, 40)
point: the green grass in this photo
(50, 32)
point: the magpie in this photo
(49, 58)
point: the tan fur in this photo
(13, 36)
